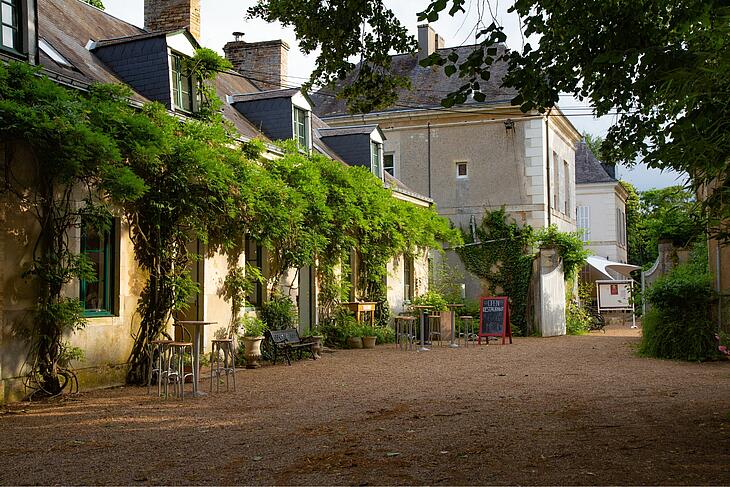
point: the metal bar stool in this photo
(225, 366)
(404, 332)
(158, 351)
(468, 328)
(175, 367)
(434, 328)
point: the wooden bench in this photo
(286, 342)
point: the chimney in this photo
(169, 15)
(266, 63)
(426, 41)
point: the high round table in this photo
(198, 331)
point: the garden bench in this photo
(287, 341)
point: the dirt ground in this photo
(567, 410)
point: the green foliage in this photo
(279, 312)
(96, 3)
(678, 326)
(432, 298)
(77, 168)
(665, 75)
(253, 326)
(578, 316)
(504, 261)
(338, 31)
(569, 246)
(384, 334)
(595, 144)
(504, 256)
(204, 66)
(338, 327)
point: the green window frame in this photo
(301, 132)
(10, 25)
(407, 278)
(97, 295)
(182, 85)
(376, 165)
(254, 258)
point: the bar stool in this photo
(434, 327)
(468, 328)
(404, 332)
(227, 366)
(175, 366)
(160, 349)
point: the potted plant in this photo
(253, 335)
(354, 334)
(368, 336)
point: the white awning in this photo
(604, 265)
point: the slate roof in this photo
(69, 25)
(354, 130)
(588, 169)
(265, 95)
(428, 85)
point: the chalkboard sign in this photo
(494, 319)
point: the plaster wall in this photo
(603, 201)
(396, 291)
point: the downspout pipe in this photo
(428, 129)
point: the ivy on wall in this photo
(503, 253)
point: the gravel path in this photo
(567, 410)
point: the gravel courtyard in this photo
(568, 410)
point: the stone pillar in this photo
(170, 15)
(265, 63)
(551, 301)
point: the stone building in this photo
(77, 45)
(473, 157)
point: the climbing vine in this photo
(501, 253)
(63, 162)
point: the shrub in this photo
(253, 327)
(338, 328)
(678, 325)
(279, 313)
(385, 334)
(432, 298)
(577, 319)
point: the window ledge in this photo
(99, 314)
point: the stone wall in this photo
(265, 63)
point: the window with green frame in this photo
(301, 131)
(97, 295)
(254, 257)
(10, 24)
(182, 85)
(375, 155)
(407, 278)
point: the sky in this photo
(220, 18)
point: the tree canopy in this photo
(661, 66)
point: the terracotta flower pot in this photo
(252, 351)
(368, 342)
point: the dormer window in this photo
(376, 154)
(10, 33)
(182, 85)
(301, 127)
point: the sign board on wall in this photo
(615, 295)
